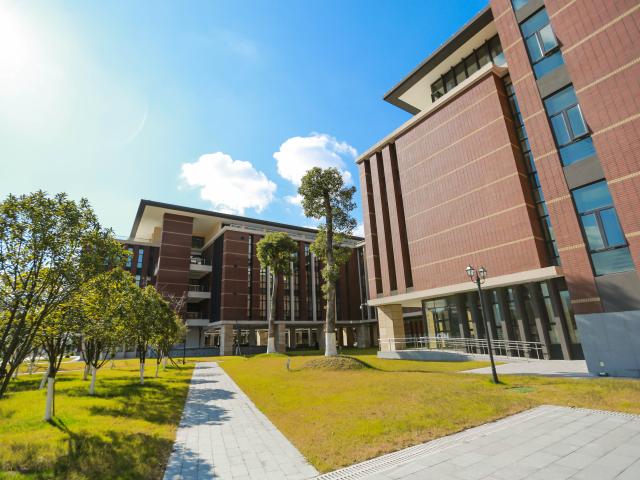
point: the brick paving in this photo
(223, 435)
(545, 443)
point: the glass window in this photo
(460, 73)
(471, 64)
(519, 3)
(449, 80)
(483, 56)
(496, 51)
(568, 125)
(541, 44)
(437, 90)
(129, 257)
(140, 258)
(605, 239)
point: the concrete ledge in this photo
(426, 355)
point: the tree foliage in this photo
(49, 246)
(325, 197)
(275, 252)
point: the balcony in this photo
(196, 319)
(197, 293)
(198, 267)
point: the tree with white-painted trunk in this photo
(58, 332)
(143, 324)
(325, 197)
(107, 303)
(275, 253)
(170, 329)
(49, 246)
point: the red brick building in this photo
(522, 156)
(210, 259)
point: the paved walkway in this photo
(549, 368)
(223, 435)
(545, 443)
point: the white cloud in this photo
(231, 186)
(294, 199)
(299, 154)
(359, 230)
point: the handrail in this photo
(198, 260)
(198, 288)
(508, 348)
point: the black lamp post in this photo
(478, 277)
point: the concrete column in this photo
(522, 320)
(320, 337)
(476, 317)
(364, 336)
(292, 338)
(391, 325)
(560, 323)
(281, 338)
(253, 338)
(506, 320)
(542, 321)
(462, 315)
(350, 339)
(226, 340)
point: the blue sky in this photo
(210, 104)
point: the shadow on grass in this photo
(111, 455)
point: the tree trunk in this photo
(141, 373)
(44, 379)
(330, 323)
(164, 362)
(85, 374)
(157, 367)
(49, 410)
(271, 337)
(92, 386)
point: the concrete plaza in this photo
(223, 435)
(545, 443)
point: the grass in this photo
(335, 415)
(126, 431)
(340, 417)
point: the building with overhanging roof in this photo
(209, 259)
(521, 155)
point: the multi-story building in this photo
(206, 262)
(522, 156)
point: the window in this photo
(137, 280)
(605, 240)
(250, 277)
(568, 125)
(519, 3)
(140, 258)
(129, 257)
(534, 181)
(541, 43)
(490, 51)
(197, 242)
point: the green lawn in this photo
(337, 418)
(125, 431)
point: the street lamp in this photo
(478, 277)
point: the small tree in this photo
(107, 303)
(169, 330)
(49, 246)
(57, 332)
(142, 326)
(325, 197)
(275, 252)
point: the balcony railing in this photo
(469, 345)
(198, 288)
(196, 316)
(199, 261)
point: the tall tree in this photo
(49, 246)
(170, 329)
(325, 197)
(275, 252)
